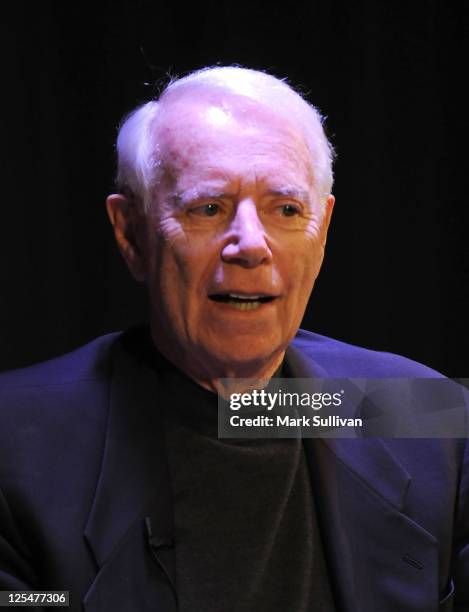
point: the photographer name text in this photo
(288, 421)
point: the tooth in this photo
(245, 297)
(245, 305)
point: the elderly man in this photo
(114, 483)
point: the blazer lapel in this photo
(130, 529)
(378, 558)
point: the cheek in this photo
(169, 231)
(180, 263)
(166, 261)
(168, 246)
(302, 261)
(314, 250)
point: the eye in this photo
(289, 210)
(207, 210)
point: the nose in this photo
(246, 240)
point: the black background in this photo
(390, 76)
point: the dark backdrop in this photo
(390, 76)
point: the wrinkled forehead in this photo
(202, 97)
(204, 120)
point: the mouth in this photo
(242, 301)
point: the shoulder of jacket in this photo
(86, 363)
(341, 359)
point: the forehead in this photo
(219, 140)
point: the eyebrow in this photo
(185, 197)
(290, 192)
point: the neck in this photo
(210, 373)
(242, 372)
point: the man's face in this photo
(235, 236)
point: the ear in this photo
(328, 208)
(129, 230)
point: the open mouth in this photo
(242, 302)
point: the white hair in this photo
(137, 143)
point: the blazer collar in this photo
(360, 491)
(132, 508)
(370, 460)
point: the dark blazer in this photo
(85, 500)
